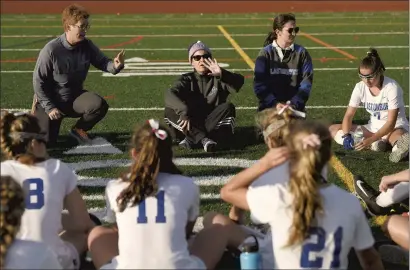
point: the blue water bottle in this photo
(250, 257)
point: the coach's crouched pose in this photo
(196, 106)
(61, 69)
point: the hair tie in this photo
(311, 140)
(159, 133)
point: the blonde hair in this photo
(11, 210)
(274, 126)
(306, 165)
(16, 134)
(154, 155)
(73, 14)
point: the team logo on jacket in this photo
(213, 90)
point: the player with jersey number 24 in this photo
(154, 209)
(382, 97)
(50, 186)
(301, 207)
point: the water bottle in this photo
(250, 257)
(358, 135)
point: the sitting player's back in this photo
(157, 224)
(46, 184)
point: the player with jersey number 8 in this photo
(153, 209)
(382, 98)
(50, 186)
(301, 207)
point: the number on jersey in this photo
(309, 248)
(34, 188)
(160, 217)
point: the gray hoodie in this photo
(61, 70)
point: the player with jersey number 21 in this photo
(382, 98)
(288, 189)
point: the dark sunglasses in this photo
(198, 57)
(293, 30)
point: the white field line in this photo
(92, 181)
(215, 49)
(161, 109)
(101, 197)
(202, 18)
(212, 35)
(153, 72)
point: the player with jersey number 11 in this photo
(382, 98)
(154, 209)
(303, 210)
(50, 186)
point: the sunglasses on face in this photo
(293, 30)
(368, 77)
(198, 57)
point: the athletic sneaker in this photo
(379, 146)
(401, 149)
(368, 195)
(185, 143)
(80, 135)
(394, 254)
(208, 144)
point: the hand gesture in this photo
(119, 59)
(386, 183)
(54, 114)
(213, 67)
(363, 144)
(184, 124)
(275, 157)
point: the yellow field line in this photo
(327, 45)
(344, 174)
(200, 25)
(235, 45)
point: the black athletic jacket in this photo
(193, 92)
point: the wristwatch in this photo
(345, 135)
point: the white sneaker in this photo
(379, 146)
(401, 149)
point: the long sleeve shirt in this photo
(280, 80)
(193, 92)
(62, 68)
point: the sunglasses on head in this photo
(198, 57)
(293, 30)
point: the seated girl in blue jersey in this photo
(50, 186)
(15, 253)
(283, 69)
(302, 209)
(382, 98)
(154, 209)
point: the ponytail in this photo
(269, 39)
(372, 61)
(154, 155)
(11, 210)
(306, 164)
(16, 134)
